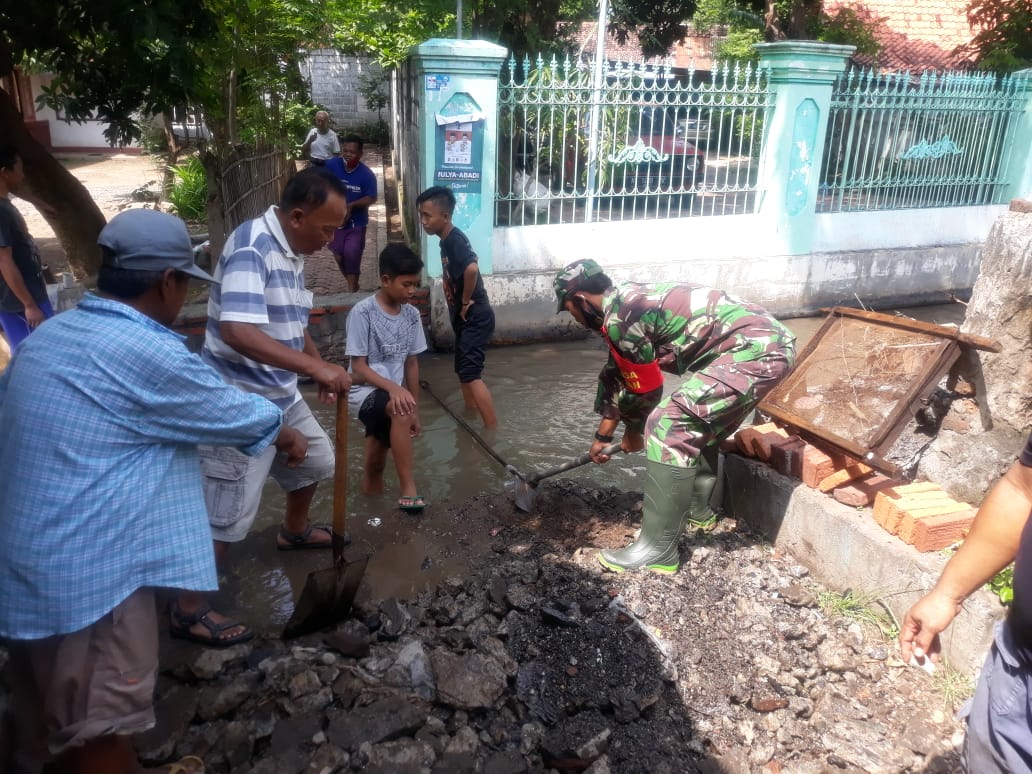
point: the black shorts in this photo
(471, 338)
(373, 414)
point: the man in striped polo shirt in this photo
(257, 339)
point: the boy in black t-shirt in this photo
(472, 317)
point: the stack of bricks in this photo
(920, 514)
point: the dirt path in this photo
(110, 179)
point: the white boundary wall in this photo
(884, 258)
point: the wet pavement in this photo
(544, 396)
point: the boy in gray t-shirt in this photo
(384, 336)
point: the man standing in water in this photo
(257, 339)
(733, 352)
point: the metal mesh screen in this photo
(858, 380)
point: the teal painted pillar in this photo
(458, 133)
(1021, 153)
(802, 74)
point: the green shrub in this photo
(1002, 585)
(189, 193)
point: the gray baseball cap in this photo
(148, 240)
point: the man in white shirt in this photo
(321, 144)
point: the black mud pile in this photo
(539, 662)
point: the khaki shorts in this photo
(72, 688)
(233, 482)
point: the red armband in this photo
(639, 378)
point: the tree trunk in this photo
(76, 220)
(973, 449)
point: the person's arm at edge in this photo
(15, 281)
(991, 545)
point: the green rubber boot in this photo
(700, 514)
(668, 492)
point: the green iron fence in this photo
(667, 145)
(938, 140)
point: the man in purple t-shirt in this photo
(999, 735)
(348, 242)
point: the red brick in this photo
(862, 492)
(818, 465)
(889, 512)
(902, 490)
(746, 438)
(852, 471)
(787, 456)
(765, 441)
(910, 518)
(938, 532)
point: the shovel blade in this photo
(524, 495)
(326, 598)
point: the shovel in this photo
(526, 486)
(328, 594)
(425, 385)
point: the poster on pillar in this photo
(459, 146)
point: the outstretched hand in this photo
(919, 633)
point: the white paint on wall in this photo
(68, 134)
(885, 229)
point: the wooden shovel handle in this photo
(340, 478)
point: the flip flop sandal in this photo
(298, 541)
(181, 622)
(189, 764)
(413, 504)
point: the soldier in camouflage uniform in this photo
(733, 353)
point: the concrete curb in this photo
(844, 548)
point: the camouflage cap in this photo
(570, 279)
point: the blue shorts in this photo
(999, 716)
(15, 327)
(471, 338)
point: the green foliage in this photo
(748, 23)
(109, 59)
(739, 44)
(1003, 42)
(375, 91)
(860, 608)
(847, 28)
(659, 24)
(373, 132)
(189, 193)
(955, 686)
(235, 60)
(387, 29)
(1002, 585)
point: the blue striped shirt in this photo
(262, 282)
(101, 411)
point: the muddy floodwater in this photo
(544, 395)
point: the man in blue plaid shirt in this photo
(101, 412)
